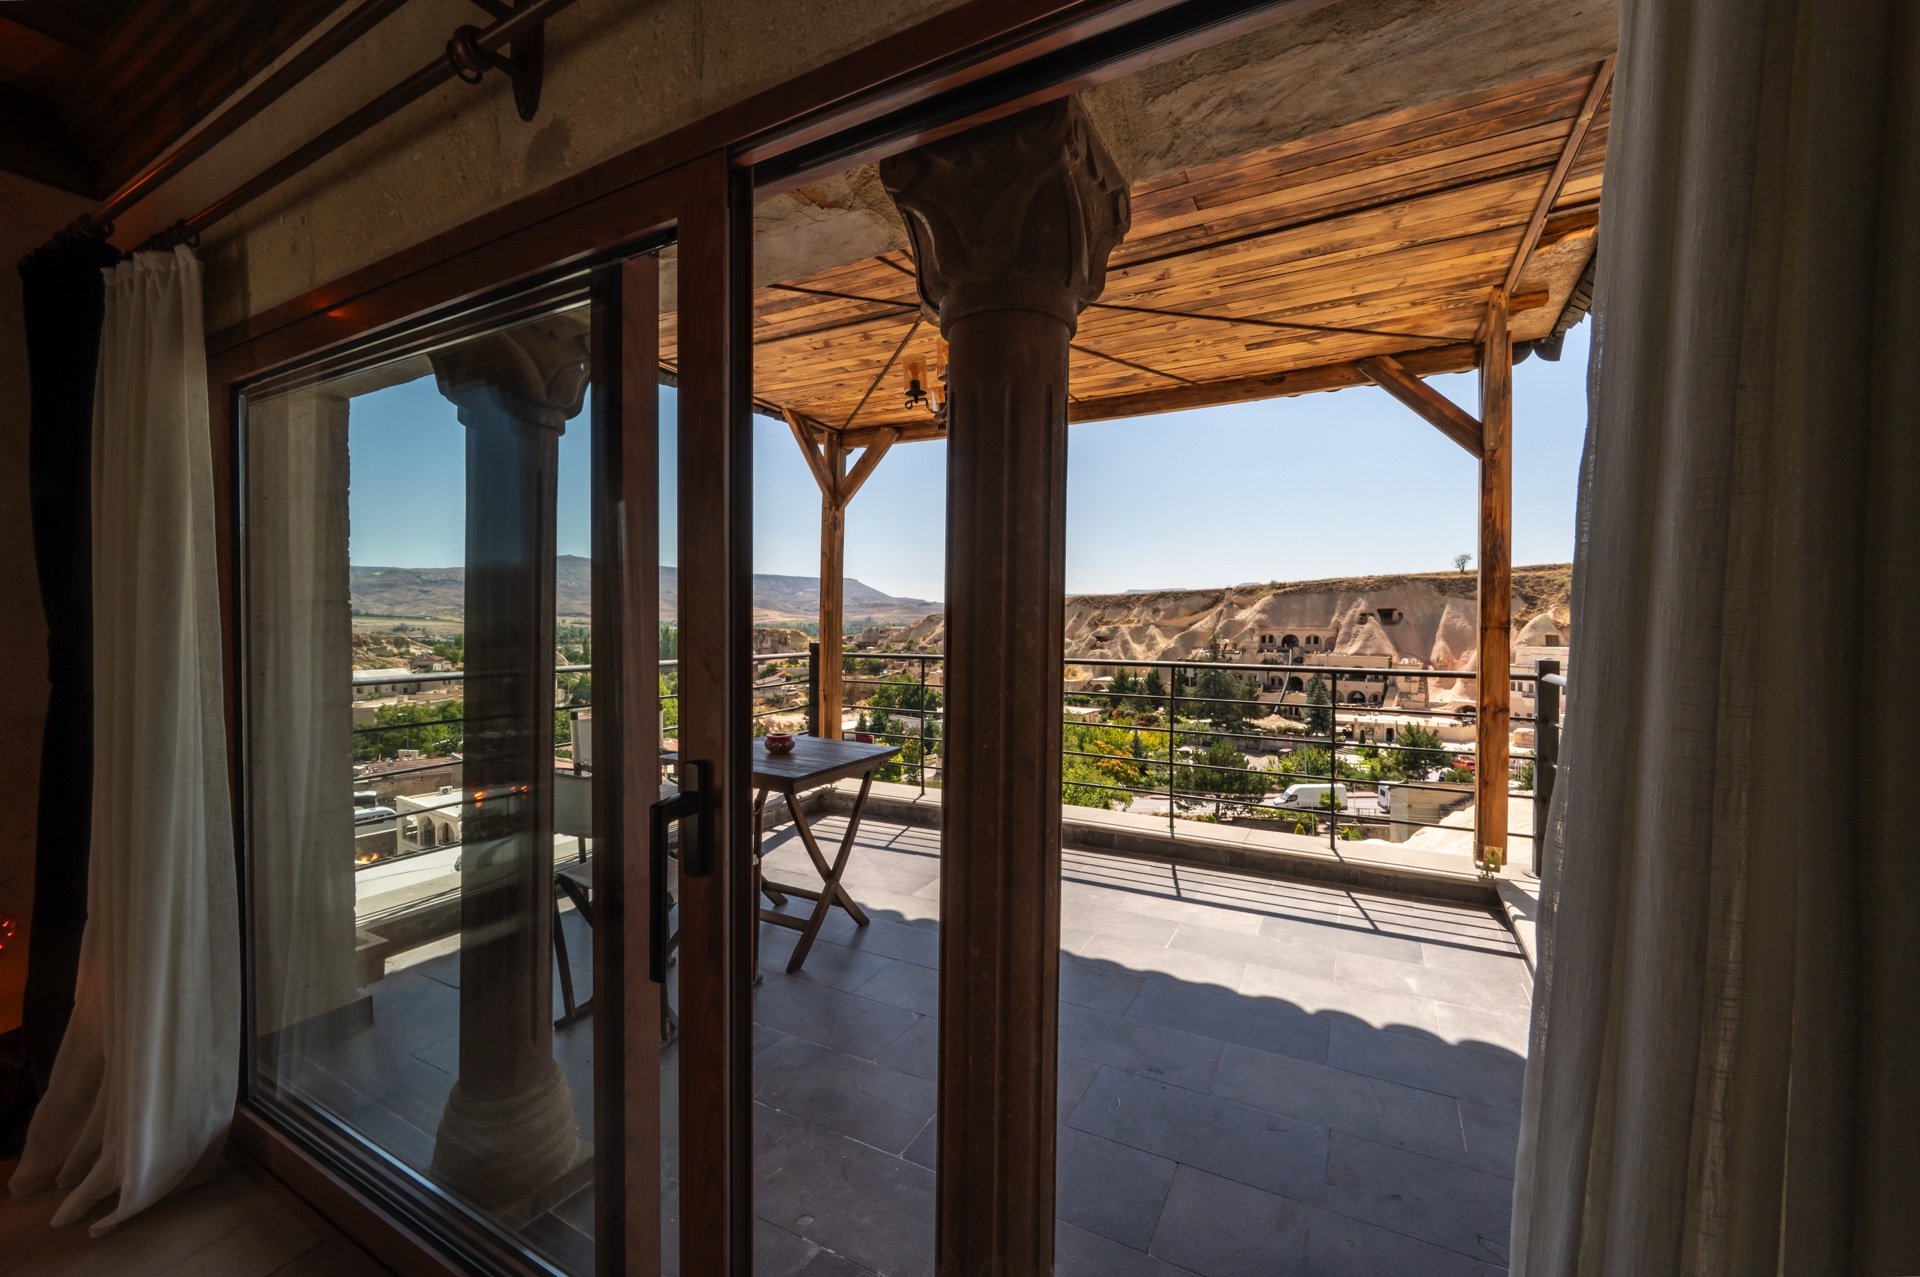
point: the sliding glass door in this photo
(486, 857)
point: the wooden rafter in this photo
(882, 374)
(1271, 273)
(1582, 124)
(1128, 363)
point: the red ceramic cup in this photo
(779, 742)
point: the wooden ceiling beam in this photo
(1596, 93)
(1448, 417)
(78, 24)
(867, 436)
(1302, 381)
(34, 144)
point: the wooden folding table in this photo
(813, 762)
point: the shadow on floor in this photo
(1255, 1077)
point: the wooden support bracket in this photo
(803, 435)
(1453, 421)
(869, 458)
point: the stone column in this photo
(507, 1135)
(1011, 226)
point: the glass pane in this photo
(418, 657)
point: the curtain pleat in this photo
(143, 1089)
(1727, 1016)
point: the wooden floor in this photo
(227, 1228)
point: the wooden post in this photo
(1494, 710)
(837, 487)
(1011, 225)
(833, 565)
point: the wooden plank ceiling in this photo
(1263, 275)
(92, 90)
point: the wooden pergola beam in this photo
(867, 436)
(1582, 125)
(1453, 421)
(1303, 381)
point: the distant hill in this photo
(441, 593)
(1428, 616)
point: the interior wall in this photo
(32, 213)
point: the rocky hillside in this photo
(1427, 616)
(387, 651)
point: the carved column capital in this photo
(536, 373)
(1017, 214)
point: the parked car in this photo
(372, 815)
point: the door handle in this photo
(689, 807)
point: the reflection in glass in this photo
(410, 710)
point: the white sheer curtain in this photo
(1725, 1066)
(143, 1089)
(300, 671)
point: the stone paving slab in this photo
(1257, 1076)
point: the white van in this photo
(1312, 796)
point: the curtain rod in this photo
(332, 42)
(470, 52)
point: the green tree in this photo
(1220, 773)
(433, 729)
(1101, 762)
(1223, 698)
(1416, 752)
(670, 702)
(1319, 707)
(1153, 691)
(904, 691)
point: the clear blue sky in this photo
(1291, 489)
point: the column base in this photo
(515, 1157)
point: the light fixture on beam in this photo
(914, 369)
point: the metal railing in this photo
(1169, 732)
(1165, 743)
